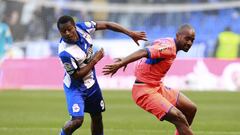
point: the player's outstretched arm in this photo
(111, 69)
(86, 69)
(135, 35)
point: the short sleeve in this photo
(89, 26)
(157, 51)
(69, 63)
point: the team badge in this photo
(68, 66)
(88, 24)
(75, 108)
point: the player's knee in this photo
(176, 117)
(194, 109)
(72, 125)
(179, 118)
(77, 122)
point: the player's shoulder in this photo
(4, 27)
(61, 46)
(3, 24)
(166, 46)
(164, 43)
(86, 24)
(86, 27)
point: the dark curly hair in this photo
(65, 19)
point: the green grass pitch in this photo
(44, 113)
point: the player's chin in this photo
(70, 38)
(186, 50)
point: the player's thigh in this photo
(150, 100)
(96, 117)
(95, 104)
(185, 104)
(75, 102)
(170, 94)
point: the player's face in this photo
(185, 39)
(68, 31)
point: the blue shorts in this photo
(90, 101)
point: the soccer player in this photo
(148, 90)
(80, 84)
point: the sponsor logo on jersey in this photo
(163, 48)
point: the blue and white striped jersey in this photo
(76, 55)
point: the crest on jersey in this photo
(88, 24)
(75, 108)
(68, 66)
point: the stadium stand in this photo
(209, 17)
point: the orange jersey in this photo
(161, 55)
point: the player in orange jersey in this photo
(148, 90)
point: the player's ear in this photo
(178, 35)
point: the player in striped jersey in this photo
(81, 88)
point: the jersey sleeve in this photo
(69, 63)
(89, 26)
(156, 51)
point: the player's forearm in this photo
(134, 57)
(118, 28)
(84, 70)
(113, 26)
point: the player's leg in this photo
(94, 105)
(187, 107)
(176, 117)
(75, 105)
(160, 102)
(181, 102)
(96, 124)
(72, 125)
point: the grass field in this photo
(44, 113)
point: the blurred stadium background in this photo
(35, 39)
(31, 63)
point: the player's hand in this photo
(98, 55)
(136, 35)
(111, 69)
(118, 60)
